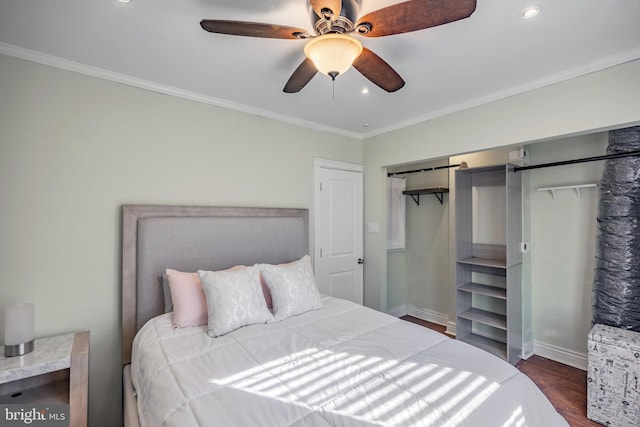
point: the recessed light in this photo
(365, 90)
(124, 1)
(531, 11)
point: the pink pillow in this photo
(189, 303)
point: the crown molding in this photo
(599, 65)
(57, 62)
(88, 70)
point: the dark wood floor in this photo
(564, 386)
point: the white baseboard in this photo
(527, 350)
(451, 328)
(422, 314)
(562, 355)
(399, 311)
(558, 354)
(428, 315)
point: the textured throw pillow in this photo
(234, 299)
(293, 288)
(166, 291)
(189, 304)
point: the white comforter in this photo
(344, 365)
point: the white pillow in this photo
(293, 288)
(234, 299)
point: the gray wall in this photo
(415, 275)
(563, 245)
(74, 148)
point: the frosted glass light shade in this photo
(18, 329)
(333, 53)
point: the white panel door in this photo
(338, 223)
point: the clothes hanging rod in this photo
(586, 159)
(462, 165)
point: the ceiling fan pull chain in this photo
(333, 75)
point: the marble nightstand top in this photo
(49, 354)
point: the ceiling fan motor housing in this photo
(330, 23)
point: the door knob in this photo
(360, 261)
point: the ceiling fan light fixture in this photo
(531, 11)
(333, 53)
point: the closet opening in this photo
(557, 245)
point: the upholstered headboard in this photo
(188, 238)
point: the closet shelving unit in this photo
(489, 276)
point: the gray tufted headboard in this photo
(188, 238)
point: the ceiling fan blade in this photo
(414, 15)
(301, 76)
(252, 29)
(378, 71)
(334, 5)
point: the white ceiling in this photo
(158, 44)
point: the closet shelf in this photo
(485, 262)
(491, 345)
(553, 190)
(485, 317)
(437, 191)
(491, 291)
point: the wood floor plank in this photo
(564, 386)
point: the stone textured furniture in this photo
(56, 372)
(613, 377)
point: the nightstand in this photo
(56, 371)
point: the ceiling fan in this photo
(333, 49)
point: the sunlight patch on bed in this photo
(313, 393)
(315, 375)
(383, 393)
(516, 419)
(411, 410)
(480, 395)
(323, 378)
(304, 371)
(444, 389)
(249, 373)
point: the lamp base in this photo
(18, 349)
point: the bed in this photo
(333, 364)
